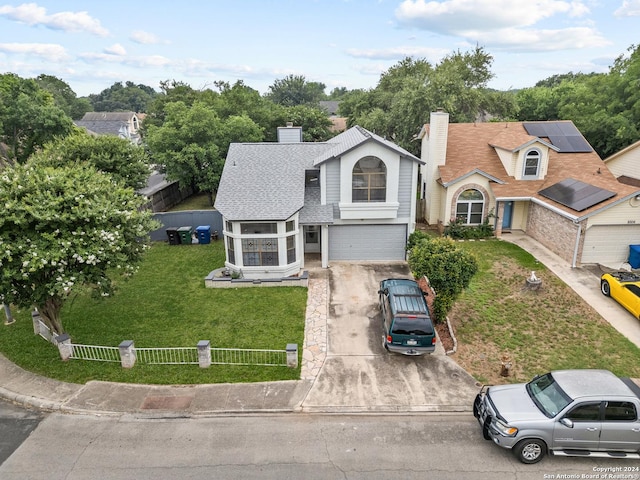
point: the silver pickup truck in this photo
(590, 413)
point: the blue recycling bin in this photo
(634, 256)
(204, 234)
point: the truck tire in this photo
(530, 450)
(605, 288)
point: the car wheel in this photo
(476, 408)
(530, 451)
(605, 288)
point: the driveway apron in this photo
(358, 374)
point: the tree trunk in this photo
(50, 313)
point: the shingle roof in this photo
(355, 137)
(471, 146)
(313, 213)
(265, 181)
(105, 123)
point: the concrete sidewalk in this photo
(320, 383)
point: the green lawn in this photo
(552, 328)
(197, 201)
(167, 305)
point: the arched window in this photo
(531, 164)
(369, 180)
(470, 206)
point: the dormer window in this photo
(532, 161)
(369, 180)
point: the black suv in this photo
(408, 328)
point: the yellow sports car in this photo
(624, 287)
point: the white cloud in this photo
(48, 51)
(629, 8)
(32, 14)
(115, 49)
(452, 16)
(137, 62)
(503, 23)
(398, 53)
(145, 38)
(532, 40)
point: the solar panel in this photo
(575, 194)
(563, 135)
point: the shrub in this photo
(442, 303)
(416, 237)
(457, 229)
(448, 267)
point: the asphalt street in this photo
(286, 446)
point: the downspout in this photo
(575, 250)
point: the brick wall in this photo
(555, 232)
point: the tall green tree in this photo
(29, 117)
(186, 145)
(296, 90)
(64, 229)
(127, 163)
(123, 98)
(172, 91)
(400, 104)
(64, 96)
(604, 107)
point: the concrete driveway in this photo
(359, 374)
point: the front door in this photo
(507, 216)
(312, 239)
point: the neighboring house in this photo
(163, 194)
(542, 178)
(121, 124)
(350, 198)
(625, 165)
(339, 124)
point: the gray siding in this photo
(333, 186)
(367, 242)
(405, 194)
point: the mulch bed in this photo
(440, 325)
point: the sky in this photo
(341, 43)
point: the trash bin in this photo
(185, 235)
(172, 235)
(634, 256)
(204, 233)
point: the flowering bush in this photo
(64, 228)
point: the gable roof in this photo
(105, 123)
(353, 138)
(266, 181)
(471, 148)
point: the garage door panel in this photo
(367, 242)
(609, 244)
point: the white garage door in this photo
(609, 244)
(367, 242)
